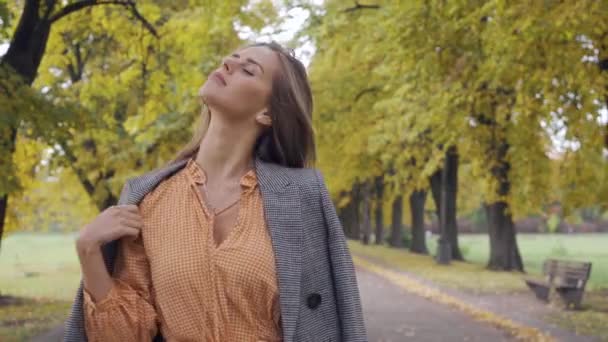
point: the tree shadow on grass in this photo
(24, 318)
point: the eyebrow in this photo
(249, 60)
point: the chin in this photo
(209, 95)
(212, 100)
(216, 101)
(221, 100)
(204, 91)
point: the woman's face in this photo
(240, 88)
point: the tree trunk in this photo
(356, 193)
(366, 223)
(3, 206)
(504, 253)
(10, 141)
(349, 216)
(342, 213)
(451, 223)
(603, 65)
(451, 186)
(28, 43)
(23, 58)
(396, 223)
(606, 104)
(379, 214)
(417, 199)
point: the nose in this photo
(229, 64)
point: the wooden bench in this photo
(567, 278)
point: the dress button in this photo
(313, 300)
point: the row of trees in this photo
(408, 92)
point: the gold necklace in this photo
(215, 211)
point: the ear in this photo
(264, 119)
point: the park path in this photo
(521, 308)
(394, 315)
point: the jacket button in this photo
(313, 300)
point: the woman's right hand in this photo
(111, 224)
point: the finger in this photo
(123, 231)
(130, 223)
(130, 233)
(131, 208)
(129, 215)
(124, 208)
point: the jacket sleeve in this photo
(127, 313)
(345, 280)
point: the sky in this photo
(295, 20)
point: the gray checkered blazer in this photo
(318, 290)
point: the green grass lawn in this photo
(460, 275)
(43, 268)
(39, 266)
(535, 248)
(20, 322)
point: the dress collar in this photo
(198, 175)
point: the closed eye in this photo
(249, 61)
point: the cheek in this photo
(249, 92)
(250, 89)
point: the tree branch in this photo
(49, 5)
(89, 187)
(358, 6)
(365, 91)
(143, 20)
(77, 6)
(74, 7)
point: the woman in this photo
(234, 240)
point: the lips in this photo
(219, 77)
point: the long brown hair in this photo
(290, 139)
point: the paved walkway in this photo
(521, 308)
(393, 314)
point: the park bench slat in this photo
(566, 277)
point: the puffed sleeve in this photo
(127, 313)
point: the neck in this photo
(226, 151)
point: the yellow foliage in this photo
(396, 85)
